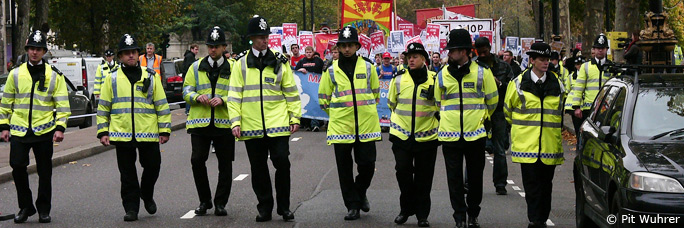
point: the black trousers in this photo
(258, 151)
(19, 160)
(473, 152)
(225, 154)
(353, 191)
(497, 146)
(150, 160)
(538, 183)
(415, 167)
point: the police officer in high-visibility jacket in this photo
(590, 78)
(133, 114)
(413, 133)
(103, 70)
(32, 92)
(264, 107)
(206, 91)
(349, 93)
(534, 108)
(557, 67)
(466, 93)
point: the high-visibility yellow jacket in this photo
(103, 70)
(24, 106)
(535, 119)
(197, 83)
(589, 81)
(156, 65)
(263, 100)
(564, 76)
(464, 105)
(568, 90)
(413, 107)
(126, 112)
(351, 105)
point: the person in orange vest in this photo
(148, 57)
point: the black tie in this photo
(540, 87)
(215, 65)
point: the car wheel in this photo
(581, 219)
(615, 207)
(87, 121)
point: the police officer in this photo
(498, 144)
(206, 91)
(537, 141)
(590, 78)
(577, 63)
(466, 93)
(557, 67)
(32, 91)
(133, 114)
(413, 133)
(349, 93)
(103, 70)
(265, 109)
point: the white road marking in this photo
(189, 215)
(492, 162)
(549, 223)
(510, 181)
(516, 188)
(490, 158)
(241, 177)
(296, 139)
(522, 194)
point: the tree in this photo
(41, 15)
(593, 24)
(21, 29)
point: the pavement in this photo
(77, 144)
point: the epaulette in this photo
(280, 57)
(116, 67)
(399, 72)
(150, 71)
(367, 59)
(54, 68)
(242, 54)
(483, 65)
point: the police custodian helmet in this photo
(257, 26)
(459, 39)
(109, 52)
(127, 42)
(348, 35)
(36, 39)
(539, 50)
(216, 37)
(601, 41)
(417, 48)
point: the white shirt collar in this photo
(600, 61)
(111, 63)
(536, 78)
(30, 64)
(256, 53)
(218, 62)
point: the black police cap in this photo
(128, 42)
(417, 48)
(36, 39)
(482, 42)
(348, 35)
(459, 39)
(601, 41)
(539, 50)
(555, 55)
(109, 52)
(257, 26)
(216, 37)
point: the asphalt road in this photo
(86, 192)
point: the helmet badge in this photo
(601, 40)
(129, 40)
(262, 24)
(37, 38)
(214, 35)
(346, 33)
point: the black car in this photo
(629, 168)
(172, 79)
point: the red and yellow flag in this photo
(368, 16)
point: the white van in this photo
(81, 71)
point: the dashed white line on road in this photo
(296, 139)
(516, 188)
(491, 162)
(189, 215)
(522, 194)
(549, 223)
(490, 158)
(510, 181)
(241, 177)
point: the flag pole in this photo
(395, 15)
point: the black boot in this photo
(353, 214)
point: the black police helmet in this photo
(459, 39)
(579, 60)
(539, 50)
(128, 42)
(417, 48)
(601, 41)
(36, 39)
(257, 26)
(555, 55)
(216, 37)
(109, 52)
(348, 35)
(482, 42)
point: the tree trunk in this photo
(626, 20)
(593, 24)
(564, 15)
(41, 20)
(537, 17)
(3, 39)
(21, 29)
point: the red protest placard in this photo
(365, 45)
(306, 40)
(432, 40)
(407, 28)
(289, 34)
(377, 42)
(275, 41)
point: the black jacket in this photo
(188, 59)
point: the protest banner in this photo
(275, 42)
(365, 45)
(367, 16)
(432, 41)
(489, 35)
(407, 28)
(306, 40)
(307, 84)
(377, 43)
(415, 39)
(384, 112)
(277, 30)
(321, 42)
(289, 35)
(396, 41)
(512, 44)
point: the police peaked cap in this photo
(539, 50)
(601, 41)
(36, 39)
(109, 52)
(459, 39)
(216, 37)
(257, 26)
(417, 48)
(348, 35)
(128, 42)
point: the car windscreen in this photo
(658, 110)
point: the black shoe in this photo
(501, 190)
(24, 214)
(423, 223)
(401, 218)
(150, 206)
(219, 211)
(263, 217)
(287, 215)
(202, 209)
(131, 216)
(472, 222)
(353, 214)
(536, 225)
(365, 205)
(44, 218)
(460, 224)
